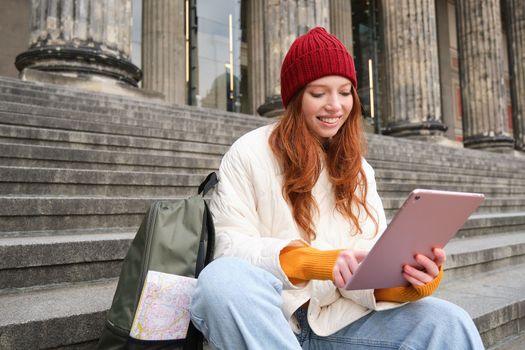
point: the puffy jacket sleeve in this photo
(239, 231)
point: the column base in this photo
(519, 143)
(80, 62)
(272, 107)
(95, 84)
(500, 143)
(421, 130)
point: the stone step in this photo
(77, 98)
(490, 205)
(398, 154)
(391, 157)
(513, 342)
(463, 165)
(75, 182)
(51, 212)
(23, 155)
(417, 146)
(74, 313)
(92, 141)
(481, 254)
(175, 120)
(436, 177)
(134, 109)
(86, 255)
(490, 223)
(16, 155)
(29, 135)
(66, 181)
(87, 97)
(402, 189)
(64, 315)
(494, 299)
(113, 129)
(37, 258)
(198, 143)
(55, 212)
(52, 90)
(430, 148)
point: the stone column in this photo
(163, 48)
(341, 22)
(285, 20)
(481, 55)
(516, 35)
(81, 38)
(256, 81)
(413, 101)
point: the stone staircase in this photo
(79, 169)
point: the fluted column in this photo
(81, 38)
(413, 100)
(516, 17)
(163, 48)
(341, 22)
(256, 81)
(285, 20)
(485, 118)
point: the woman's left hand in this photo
(428, 270)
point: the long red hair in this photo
(300, 153)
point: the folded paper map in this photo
(163, 310)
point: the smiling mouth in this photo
(329, 120)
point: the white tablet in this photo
(428, 219)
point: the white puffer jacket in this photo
(254, 222)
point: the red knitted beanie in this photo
(312, 56)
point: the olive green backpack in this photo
(173, 244)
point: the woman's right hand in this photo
(345, 266)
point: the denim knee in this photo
(447, 324)
(442, 312)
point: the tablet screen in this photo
(428, 219)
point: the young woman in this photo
(295, 212)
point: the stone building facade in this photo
(439, 70)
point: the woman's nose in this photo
(333, 104)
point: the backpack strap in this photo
(194, 338)
(208, 183)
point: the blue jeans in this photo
(238, 306)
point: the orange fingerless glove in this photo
(301, 264)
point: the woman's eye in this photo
(346, 93)
(316, 94)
